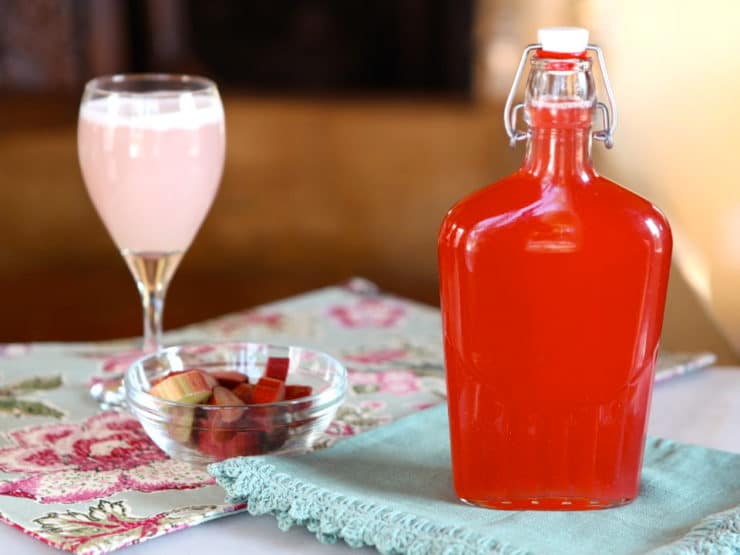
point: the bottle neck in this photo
(558, 109)
(562, 153)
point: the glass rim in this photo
(105, 84)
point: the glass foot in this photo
(109, 394)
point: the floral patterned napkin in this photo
(91, 482)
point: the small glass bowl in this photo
(202, 434)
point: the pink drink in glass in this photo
(152, 176)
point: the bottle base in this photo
(547, 503)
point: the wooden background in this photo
(314, 192)
(350, 175)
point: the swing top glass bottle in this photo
(552, 285)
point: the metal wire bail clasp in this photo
(608, 114)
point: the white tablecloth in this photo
(702, 408)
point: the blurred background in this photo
(352, 126)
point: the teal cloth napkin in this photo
(390, 488)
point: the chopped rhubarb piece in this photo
(225, 397)
(206, 376)
(276, 438)
(297, 391)
(268, 390)
(180, 425)
(189, 387)
(200, 423)
(230, 378)
(160, 379)
(213, 382)
(209, 443)
(277, 368)
(204, 441)
(217, 430)
(249, 442)
(218, 434)
(242, 443)
(244, 392)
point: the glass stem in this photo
(153, 273)
(153, 304)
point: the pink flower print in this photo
(197, 349)
(394, 382)
(340, 429)
(368, 313)
(120, 362)
(353, 419)
(105, 454)
(110, 525)
(376, 357)
(399, 382)
(372, 405)
(363, 378)
(272, 320)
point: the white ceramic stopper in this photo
(567, 40)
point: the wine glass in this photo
(151, 149)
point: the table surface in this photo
(702, 408)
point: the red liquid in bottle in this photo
(553, 286)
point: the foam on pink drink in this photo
(152, 167)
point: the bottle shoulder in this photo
(520, 190)
(514, 190)
(522, 200)
(617, 199)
